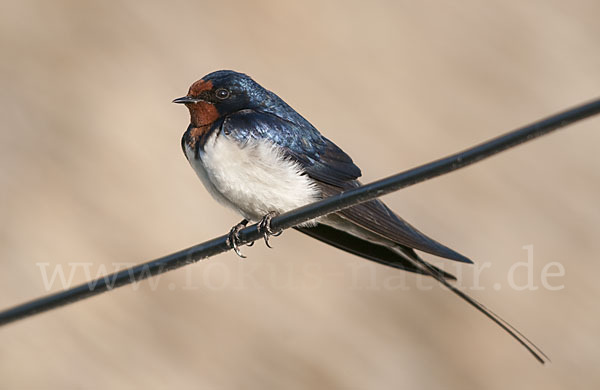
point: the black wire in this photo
(303, 214)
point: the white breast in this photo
(253, 178)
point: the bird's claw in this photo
(233, 239)
(264, 226)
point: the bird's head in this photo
(221, 93)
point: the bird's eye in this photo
(222, 93)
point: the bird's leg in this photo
(233, 239)
(264, 226)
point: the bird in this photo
(256, 155)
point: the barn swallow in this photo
(258, 156)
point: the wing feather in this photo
(376, 217)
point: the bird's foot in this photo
(233, 239)
(264, 226)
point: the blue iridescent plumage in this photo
(319, 157)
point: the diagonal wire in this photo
(305, 213)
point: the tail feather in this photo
(427, 268)
(366, 249)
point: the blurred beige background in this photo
(92, 176)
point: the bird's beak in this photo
(186, 100)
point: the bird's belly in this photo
(254, 178)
